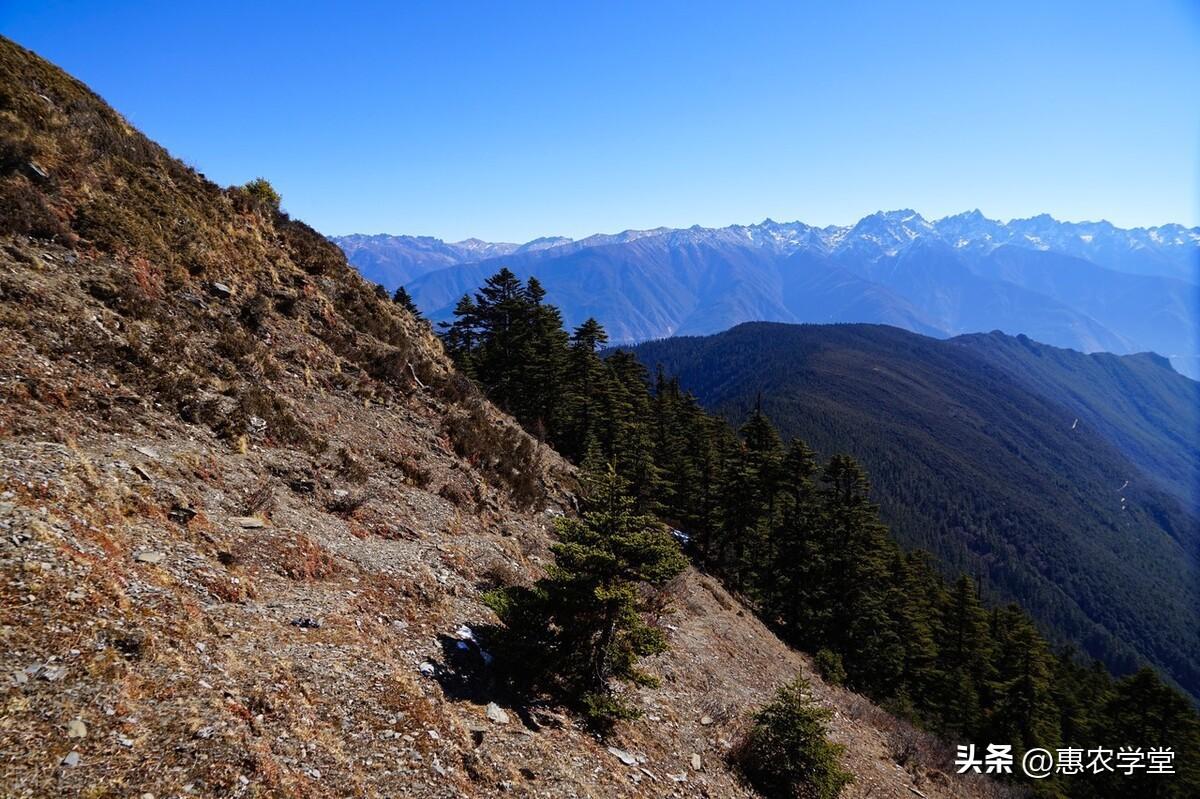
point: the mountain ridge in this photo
(1086, 286)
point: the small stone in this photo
(181, 514)
(71, 760)
(248, 522)
(76, 729)
(221, 290)
(496, 714)
(623, 756)
(696, 762)
(78, 595)
(150, 557)
(427, 668)
(53, 673)
(706, 721)
(149, 452)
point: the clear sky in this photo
(509, 120)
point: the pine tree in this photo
(546, 368)
(863, 629)
(1144, 713)
(461, 337)
(787, 754)
(583, 626)
(966, 663)
(1023, 711)
(402, 298)
(794, 553)
(917, 599)
(585, 384)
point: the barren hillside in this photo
(247, 508)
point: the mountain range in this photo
(1088, 286)
(1061, 480)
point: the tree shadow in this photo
(467, 673)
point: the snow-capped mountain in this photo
(1089, 286)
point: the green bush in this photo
(786, 754)
(829, 666)
(262, 193)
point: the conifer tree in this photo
(787, 754)
(793, 550)
(586, 382)
(582, 627)
(546, 368)
(402, 298)
(966, 663)
(863, 629)
(461, 337)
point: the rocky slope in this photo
(248, 509)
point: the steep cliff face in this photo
(248, 510)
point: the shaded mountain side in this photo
(247, 506)
(975, 466)
(1137, 402)
(1156, 312)
(933, 277)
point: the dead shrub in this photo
(351, 467)
(302, 559)
(497, 450)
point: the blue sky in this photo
(514, 120)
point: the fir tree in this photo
(582, 627)
(787, 754)
(402, 298)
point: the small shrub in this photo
(785, 754)
(24, 211)
(301, 559)
(830, 667)
(262, 193)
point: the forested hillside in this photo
(797, 534)
(1136, 402)
(970, 463)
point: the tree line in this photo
(802, 543)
